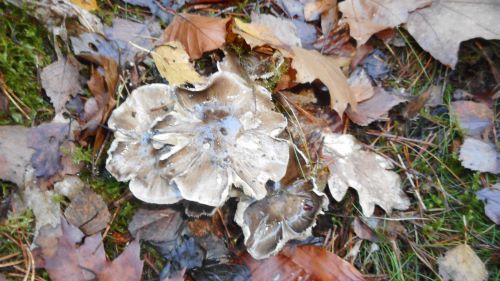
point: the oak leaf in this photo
(440, 28)
(368, 173)
(198, 34)
(367, 17)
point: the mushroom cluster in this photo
(173, 143)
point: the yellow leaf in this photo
(311, 65)
(89, 5)
(173, 64)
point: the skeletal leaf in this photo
(365, 171)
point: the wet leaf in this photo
(61, 82)
(305, 263)
(479, 155)
(462, 263)
(369, 173)
(367, 17)
(374, 108)
(198, 34)
(441, 27)
(491, 197)
(173, 64)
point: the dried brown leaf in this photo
(479, 155)
(197, 33)
(304, 263)
(312, 65)
(365, 171)
(367, 17)
(441, 27)
(88, 211)
(61, 82)
(374, 108)
(462, 264)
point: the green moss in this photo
(23, 53)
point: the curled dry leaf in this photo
(173, 64)
(365, 171)
(284, 214)
(60, 80)
(197, 33)
(312, 65)
(491, 197)
(478, 155)
(462, 263)
(441, 27)
(366, 17)
(167, 138)
(374, 108)
(305, 263)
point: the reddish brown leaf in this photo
(305, 263)
(88, 211)
(197, 33)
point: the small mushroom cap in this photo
(284, 214)
(132, 156)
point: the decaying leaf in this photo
(156, 225)
(441, 27)
(124, 35)
(462, 263)
(361, 85)
(374, 108)
(473, 117)
(491, 197)
(367, 17)
(365, 171)
(60, 246)
(88, 211)
(61, 82)
(198, 34)
(312, 65)
(46, 140)
(478, 155)
(15, 158)
(173, 64)
(305, 263)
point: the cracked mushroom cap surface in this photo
(177, 143)
(284, 214)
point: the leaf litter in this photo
(199, 241)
